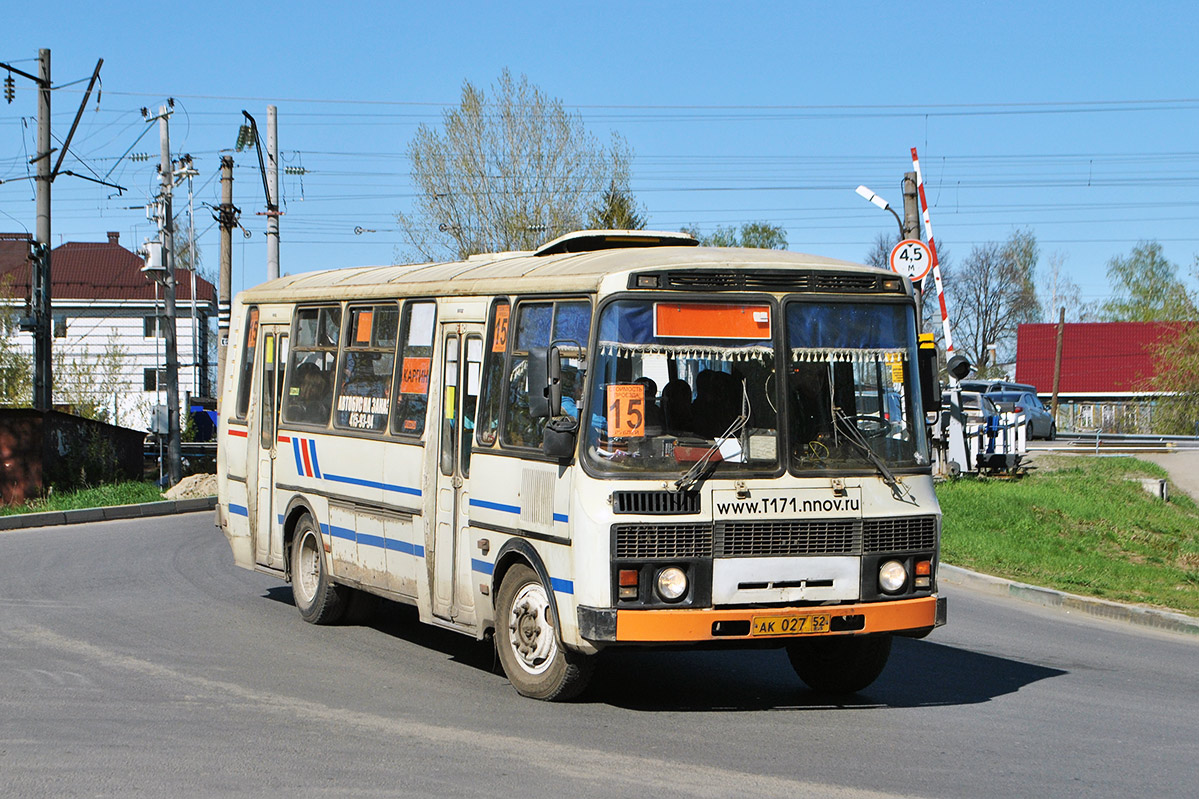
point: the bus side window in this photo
(411, 392)
(367, 366)
(312, 366)
(493, 373)
(250, 346)
(566, 323)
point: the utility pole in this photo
(43, 362)
(911, 207)
(166, 232)
(1057, 360)
(227, 218)
(272, 198)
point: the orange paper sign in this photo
(626, 410)
(363, 334)
(499, 341)
(414, 376)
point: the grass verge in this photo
(129, 493)
(1084, 525)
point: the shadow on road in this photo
(920, 673)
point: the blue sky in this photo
(1074, 120)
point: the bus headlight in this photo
(672, 584)
(892, 576)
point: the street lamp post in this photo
(874, 199)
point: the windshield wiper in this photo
(854, 436)
(704, 467)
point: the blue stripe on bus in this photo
(561, 517)
(342, 532)
(481, 566)
(562, 586)
(482, 503)
(239, 510)
(316, 469)
(338, 478)
(372, 540)
(295, 448)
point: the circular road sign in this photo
(912, 259)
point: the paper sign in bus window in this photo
(626, 410)
(362, 334)
(414, 376)
(499, 341)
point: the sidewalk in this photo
(23, 521)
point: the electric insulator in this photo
(10, 90)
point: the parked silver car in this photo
(1040, 421)
(977, 408)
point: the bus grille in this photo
(772, 280)
(899, 535)
(743, 539)
(652, 503)
(662, 540)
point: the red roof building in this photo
(1099, 359)
(102, 303)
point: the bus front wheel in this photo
(839, 664)
(318, 598)
(534, 659)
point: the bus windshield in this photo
(851, 394)
(677, 386)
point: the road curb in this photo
(167, 507)
(1051, 598)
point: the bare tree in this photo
(505, 172)
(992, 293)
(1060, 291)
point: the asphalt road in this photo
(136, 660)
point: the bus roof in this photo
(526, 272)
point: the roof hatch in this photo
(592, 240)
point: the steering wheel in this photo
(869, 425)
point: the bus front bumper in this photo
(670, 626)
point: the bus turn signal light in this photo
(628, 579)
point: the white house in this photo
(103, 303)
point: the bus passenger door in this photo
(460, 381)
(272, 349)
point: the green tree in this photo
(90, 383)
(760, 235)
(616, 210)
(505, 171)
(16, 366)
(1146, 287)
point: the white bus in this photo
(620, 439)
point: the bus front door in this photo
(460, 380)
(272, 355)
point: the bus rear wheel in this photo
(839, 664)
(317, 597)
(533, 657)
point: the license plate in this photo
(789, 625)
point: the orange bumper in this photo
(679, 626)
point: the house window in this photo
(60, 325)
(153, 378)
(152, 326)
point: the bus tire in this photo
(317, 597)
(533, 657)
(839, 664)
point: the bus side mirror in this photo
(545, 382)
(930, 386)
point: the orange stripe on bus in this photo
(661, 626)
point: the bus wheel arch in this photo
(318, 598)
(296, 509)
(528, 636)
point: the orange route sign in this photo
(626, 410)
